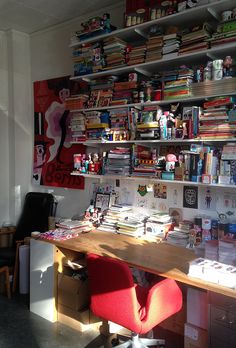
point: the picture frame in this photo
(102, 201)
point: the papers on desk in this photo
(213, 271)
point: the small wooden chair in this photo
(5, 269)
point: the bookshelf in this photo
(200, 13)
(149, 68)
(150, 179)
(197, 15)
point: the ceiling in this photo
(32, 15)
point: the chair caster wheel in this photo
(114, 342)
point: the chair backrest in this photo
(112, 290)
(38, 206)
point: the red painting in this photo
(53, 151)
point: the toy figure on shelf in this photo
(227, 70)
(106, 22)
(171, 159)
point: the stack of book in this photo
(171, 44)
(154, 48)
(225, 33)
(76, 102)
(111, 217)
(114, 52)
(83, 60)
(78, 225)
(227, 251)
(97, 126)
(119, 124)
(196, 39)
(131, 224)
(117, 162)
(100, 98)
(137, 55)
(144, 163)
(158, 225)
(178, 83)
(123, 92)
(214, 122)
(78, 127)
(180, 234)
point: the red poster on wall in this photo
(53, 152)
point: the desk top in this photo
(159, 258)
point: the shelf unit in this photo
(149, 179)
(210, 11)
(202, 13)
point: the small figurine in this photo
(170, 162)
(227, 70)
(106, 22)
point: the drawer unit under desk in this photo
(222, 324)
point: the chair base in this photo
(137, 342)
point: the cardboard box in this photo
(195, 337)
(197, 308)
(78, 320)
(73, 293)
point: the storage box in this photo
(73, 293)
(197, 308)
(78, 320)
(195, 337)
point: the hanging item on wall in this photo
(207, 198)
(142, 190)
(160, 191)
(190, 197)
(53, 152)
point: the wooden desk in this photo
(158, 258)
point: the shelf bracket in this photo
(214, 13)
(141, 33)
(211, 56)
(86, 79)
(143, 72)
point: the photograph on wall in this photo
(190, 197)
(208, 198)
(53, 150)
(160, 191)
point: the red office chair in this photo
(116, 298)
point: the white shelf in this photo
(180, 19)
(149, 179)
(169, 142)
(152, 67)
(155, 103)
